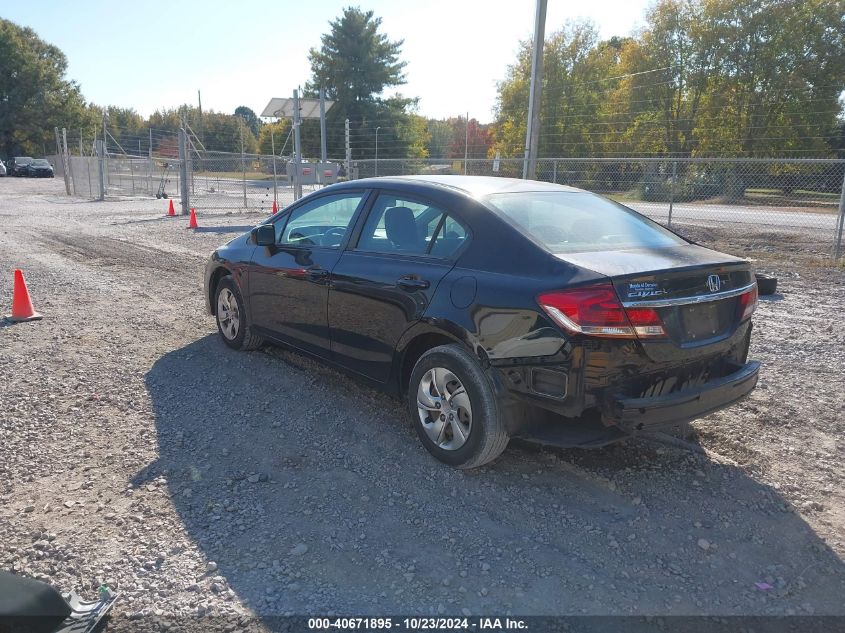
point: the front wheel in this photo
(231, 316)
(454, 408)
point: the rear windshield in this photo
(575, 222)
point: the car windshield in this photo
(22, 160)
(575, 222)
(41, 163)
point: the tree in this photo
(575, 67)
(704, 77)
(35, 97)
(470, 138)
(440, 131)
(252, 121)
(279, 131)
(355, 64)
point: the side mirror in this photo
(264, 235)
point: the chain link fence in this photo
(801, 196)
(226, 181)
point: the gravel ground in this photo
(137, 450)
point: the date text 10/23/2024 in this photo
(419, 624)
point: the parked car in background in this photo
(2, 168)
(18, 164)
(496, 308)
(39, 168)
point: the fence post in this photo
(297, 148)
(88, 169)
(150, 164)
(840, 223)
(348, 152)
(321, 178)
(275, 183)
(58, 143)
(183, 170)
(101, 169)
(66, 162)
(243, 164)
(672, 190)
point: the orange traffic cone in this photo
(275, 208)
(171, 211)
(22, 309)
(192, 223)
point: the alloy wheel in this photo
(444, 408)
(228, 315)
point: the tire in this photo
(453, 441)
(234, 330)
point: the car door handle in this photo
(412, 283)
(317, 274)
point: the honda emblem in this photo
(714, 283)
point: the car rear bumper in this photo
(638, 414)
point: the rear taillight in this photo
(596, 310)
(747, 303)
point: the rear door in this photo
(289, 282)
(385, 282)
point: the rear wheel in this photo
(232, 321)
(454, 408)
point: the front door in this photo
(289, 282)
(385, 283)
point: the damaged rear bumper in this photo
(639, 414)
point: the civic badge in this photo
(714, 283)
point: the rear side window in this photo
(449, 238)
(574, 222)
(410, 227)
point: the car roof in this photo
(475, 186)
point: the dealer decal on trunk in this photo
(643, 289)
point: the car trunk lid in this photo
(695, 291)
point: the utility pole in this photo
(323, 153)
(466, 144)
(532, 133)
(348, 152)
(297, 149)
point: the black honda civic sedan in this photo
(496, 307)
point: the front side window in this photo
(574, 222)
(320, 222)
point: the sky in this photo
(157, 54)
